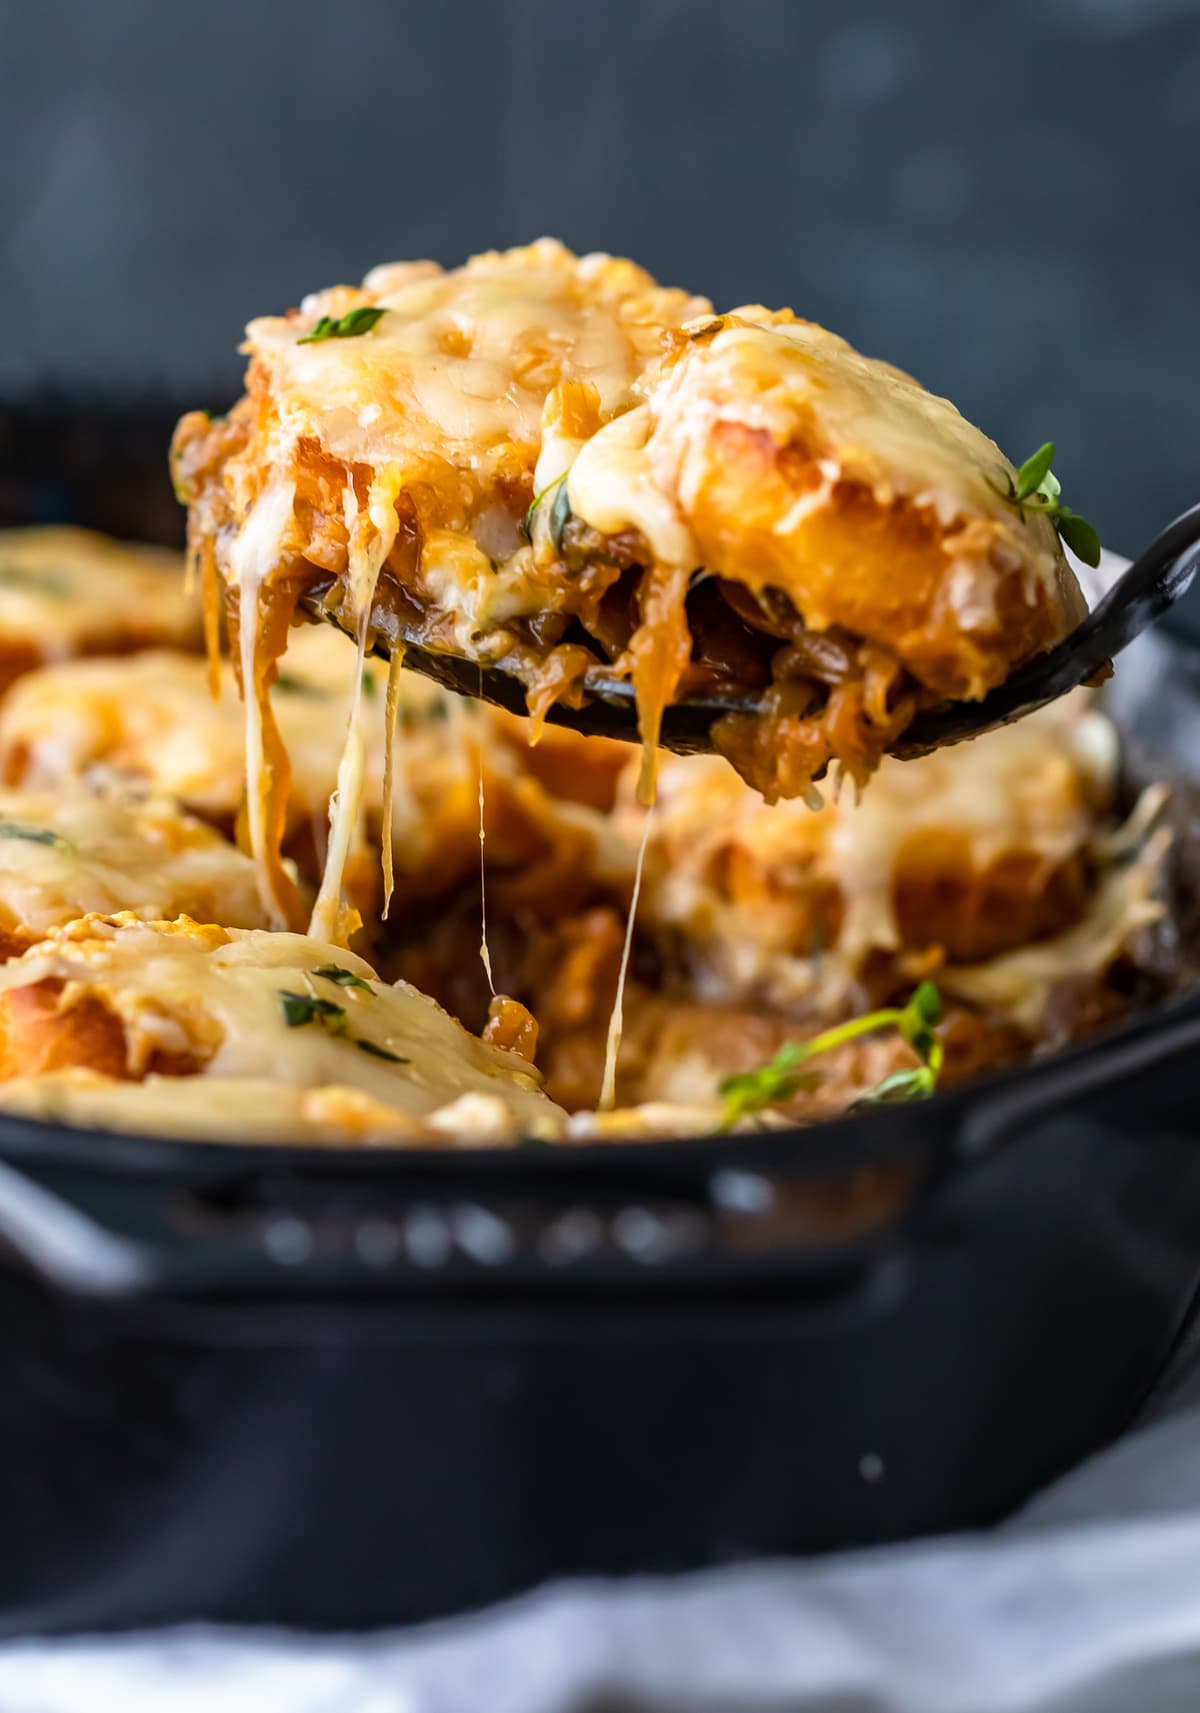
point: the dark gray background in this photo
(1002, 197)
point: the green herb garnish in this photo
(748, 1092)
(535, 502)
(1038, 489)
(33, 835)
(414, 714)
(300, 1009)
(917, 1084)
(48, 582)
(560, 511)
(348, 326)
(342, 978)
(370, 687)
(365, 1046)
(291, 685)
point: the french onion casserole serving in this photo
(363, 910)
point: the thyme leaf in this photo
(560, 511)
(34, 835)
(55, 583)
(917, 1084)
(342, 978)
(1038, 489)
(535, 502)
(348, 326)
(377, 1052)
(300, 1009)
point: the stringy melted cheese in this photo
(616, 1021)
(180, 988)
(370, 541)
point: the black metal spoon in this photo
(1131, 600)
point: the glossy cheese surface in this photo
(790, 903)
(455, 374)
(69, 852)
(66, 591)
(254, 1007)
(151, 719)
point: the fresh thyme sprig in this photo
(348, 326)
(748, 1092)
(1038, 489)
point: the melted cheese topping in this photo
(151, 719)
(1022, 984)
(234, 1109)
(66, 591)
(69, 852)
(149, 723)
(456, 374)
(180, 988)
(856, 420)
(734, 881)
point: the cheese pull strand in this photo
(616, 1021)
(484, 952)
(391, 712)
(332, 920)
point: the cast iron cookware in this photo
(339, 1389)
